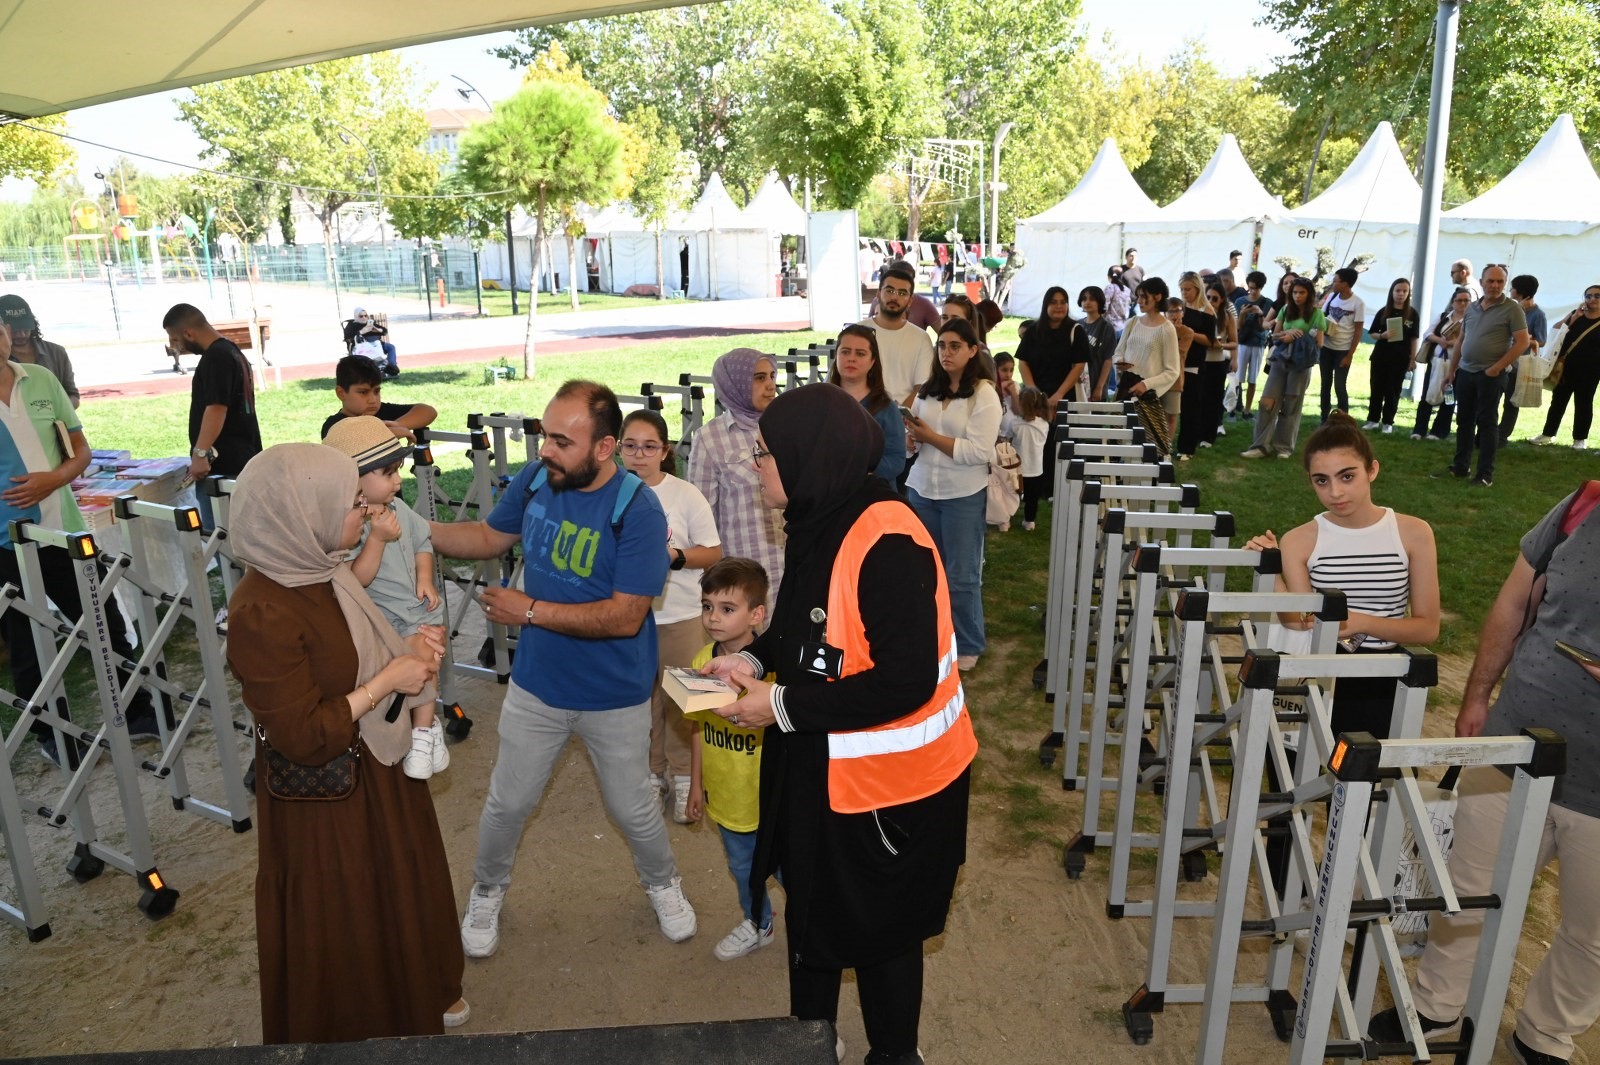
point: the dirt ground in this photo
(1029, 970)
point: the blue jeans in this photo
(741, 850)
(532, 736)
(956, 526)
(390, 357)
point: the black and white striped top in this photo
(1369, 566)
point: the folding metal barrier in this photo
(1362, 765)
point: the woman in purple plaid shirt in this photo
(721, 466)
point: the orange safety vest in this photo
(916, 755)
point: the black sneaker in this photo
(1449, 471)
(76, 749)
(1385, 1027)
(1483, 482)
(1523, 1054)
(143, 727)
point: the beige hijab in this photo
(289, 506)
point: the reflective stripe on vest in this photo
(918, 754)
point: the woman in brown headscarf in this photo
(355, 913)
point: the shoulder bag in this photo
(1553, 378)
(292, 782)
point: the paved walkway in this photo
(141, 368)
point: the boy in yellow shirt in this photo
(725, 760)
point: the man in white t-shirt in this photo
(903, 348)
(1346, 316)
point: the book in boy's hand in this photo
(693, 693)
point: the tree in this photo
(659, 177)
(337, 129)
(841, 90)
(993, 62)
(691, 64)
(551, 145)
(451, 208)
(29, 153)
(1356, 62)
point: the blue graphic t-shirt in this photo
(572, 555)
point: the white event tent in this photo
(726, 247)
(1543, 219)
(1082, 234)
(1372, 208)
(1217, 214)
(773, 209)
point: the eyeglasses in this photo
(887, 291)
(648, 448)
(1591, 295)
(758, 453)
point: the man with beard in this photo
(223, 432)
(904, 349)
(594, 557)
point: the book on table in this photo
(693, 693)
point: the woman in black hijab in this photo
(864, 777)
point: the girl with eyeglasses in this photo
(1438, 342)
(1580, 372)
(692, 547)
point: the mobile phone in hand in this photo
(1578, 655)
(906, 411)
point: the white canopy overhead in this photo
(773, 209)
(1084, 230)
(52, 65)
(1218, 214)
(1553, 190)
(1372, 209)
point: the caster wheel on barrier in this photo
(1073, 857)
(1138, 1015)
(1048, 748)
(1194, 866)
(83, 866)
(158, 900)
(457, 725)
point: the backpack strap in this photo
(1581, 507)
(630, 488)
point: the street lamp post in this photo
(467, 91)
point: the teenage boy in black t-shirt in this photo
(358, 382)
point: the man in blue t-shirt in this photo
(586, 652)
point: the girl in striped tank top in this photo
(1385, 564)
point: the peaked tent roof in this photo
(1555, 187)
(1106, 194)
(1227, 190)
(773, 209)
(1377, 186)
(714, 210)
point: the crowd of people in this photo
(824, 554)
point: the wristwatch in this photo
(682, 559)
(207, 453)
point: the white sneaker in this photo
(744, 939)
(1416, 436)
(1368, 426)
(1222, 430)
(1543, 440)
(673, 912)
(1205, 443)
(419, 760)
(658, 789)
(1388, 428)
(441, 753)
(680, 800)
(1253, 453)
(1285, 455)
(480, 928)
(454, 1017)
(1580, 445)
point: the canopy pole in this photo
(1433, 159)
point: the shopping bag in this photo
(1003, 499)
(1411, 876)
(1230, 396)
(1434, 395)
(1531, 370)
(371, 347)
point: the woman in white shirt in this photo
(956, 415)
(692, 546)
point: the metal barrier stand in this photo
(1361, 766)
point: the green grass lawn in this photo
(498, 304)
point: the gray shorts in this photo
(1252, 361)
